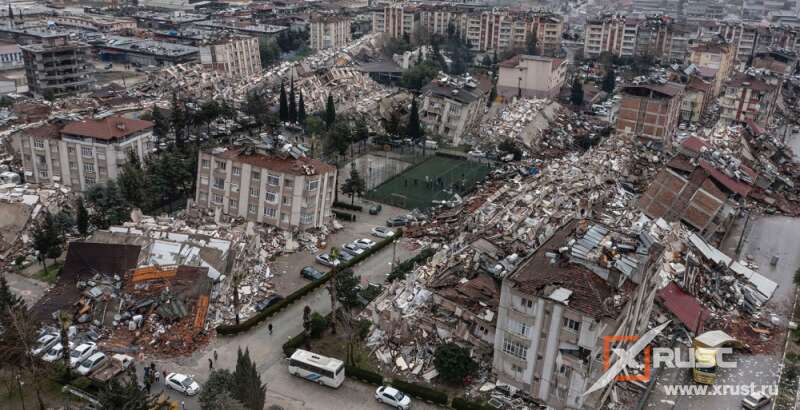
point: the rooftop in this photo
(274, 162)
(513, 62)
(748, 81)
(141, 46)
(108, 128)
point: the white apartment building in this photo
(531, 76)
(557, 306)
(450, 109)
(396, 20)
(11, 57)
(329, 32)
(236, 56)
(266, 187)
(82, 153)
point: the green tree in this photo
(224, 400)
(132, 181)
(354, 186)
(220, 382)
(160, 126)
(301, 109)
(64, 220)
(492, 96)
(64, 321)
(330, 112)
(576, 92)
(610, 80)
(179, 120)
(292, 105)
(248, 388)
(419, 75)
(209, 111)
(283, 106)
(413, 128)
(317, 325)
(125, 395)
(347, 288)
(47, 239)
(454, 363)
(82, 217)
(531, 44)
(269, 52)
(109, 205)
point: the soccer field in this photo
(434, 179)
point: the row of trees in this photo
(241, 389)
(293, 111)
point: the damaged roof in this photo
(287, 165)
(108, 128)
(684, 306)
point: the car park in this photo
(382, 232)
(94, 362)
(56, 352)
(326, 259)
(44, 344)
(81, 353)
(268, 301)
(393, 397)
(364, 243)
(182, 383)
(310, 273)
(352, 248)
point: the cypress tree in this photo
(284, 108)
(301, 110)
(576, 95)
(82, 217)
(330, 112)
(248, 388)
(292, 105)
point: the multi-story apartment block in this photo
(531, 76)
(714, 56)
(83, 153)
(396, 20)
(329, 32)
(555, 309)
(650, 112)
(57, 66)
(450, 108)
(696, 100)
(749, 98)
(264, 186)
(11, 57)
(236, 56)
(610, 34)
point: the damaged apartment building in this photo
(452, 106)
(266, 181)
(585, 282)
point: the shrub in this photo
(402, 268)
(318, 324)
(363, 375)
(82, 383)
(344, 216)
(454, 363)
(460, 403)
(363, 328)
(293, 344)
(345, 205)
(420, 391)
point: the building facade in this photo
(531, 76)
(396, 20)
(450, 109)
(57, 67)
(557, 306)
(329, 32)
(650, 112)
(714, 56)
(83, 153)
(266, 187)
(11, 57)
(238, 57)
(749, 98)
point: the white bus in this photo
(317, 368)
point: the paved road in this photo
(765, 236)
(31, 290)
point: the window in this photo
(219, 183)
(236, 171)
(43, 172)
(517, 369)
(203, 197)
(565, 371)
(90, 180)
(313, 185)
(71, 150)
(572, 325)
(216, 198)
(285, 200)
(306, 219)
(42, 160)
(273, 180)
(519, 328)
(86, 151)
(251, 208)
(73, 165)
(205, 163)
(233, 204)
(515, 348)
(254, 191)
(525, 303)
(37, 143)
(270, 212)
(271, 197)
(284, 217)
(220, 164)
(88, 168)
(203, 180)
(234, 187)
(256, 175)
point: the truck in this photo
(705, 365)
(115, 366)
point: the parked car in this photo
(396, 221)
(311, 274)
(345, 257)
(382, 232)
(268, 301)
(375, 209)
(183, 384)
(393, 397)
(45, 343)
(94, 362)
(56, 352)
(352, 248)
(755, 401)
(325, 259)
(81, 353)
(476, 153)
(365, 243)
(116, 365)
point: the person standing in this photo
(269, 327)
(210, 364)
(215, 355)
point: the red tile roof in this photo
(694, 144)
(44, 131)
(108, 128)
(685, 307)
(287, 165)
(731, 184)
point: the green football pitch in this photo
(435, 179)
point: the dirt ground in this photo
(13, 217)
